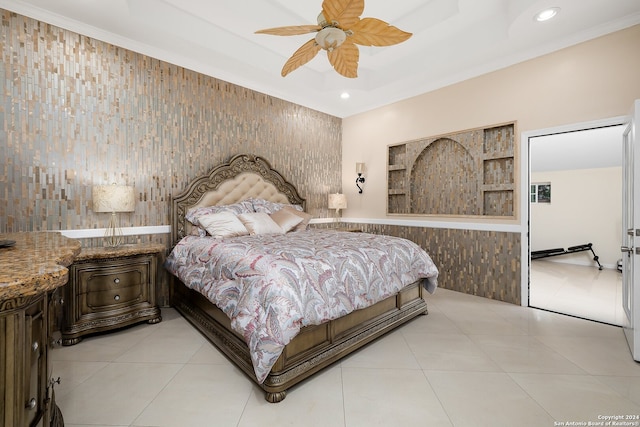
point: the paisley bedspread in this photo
(271, 285)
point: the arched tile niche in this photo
(469, 173)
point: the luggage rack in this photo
(561, 251)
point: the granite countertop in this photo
(119, 251)
(36, 263)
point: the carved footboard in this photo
(315, 348)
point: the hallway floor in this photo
(576, 290)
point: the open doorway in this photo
(575, 212)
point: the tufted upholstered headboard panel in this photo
(244, 176)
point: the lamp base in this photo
(336, 216)
(113, 235)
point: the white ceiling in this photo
(452, 40)
(583, 149)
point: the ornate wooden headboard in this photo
(244, 176)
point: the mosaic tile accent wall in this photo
(468, 173)
(75, 112)
(482, 263)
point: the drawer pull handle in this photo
(31, 404)
(117, 298)
(35, 346)
(116, 280)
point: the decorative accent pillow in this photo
(262, 205)
(260, 223)
(286, 219)
(193, 214)
(197, 231)
(305, 217)
(222, 224)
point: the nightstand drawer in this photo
(110, 299)
(97, 278)
(110, 288)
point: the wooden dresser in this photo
(110, 288)
(31, 271)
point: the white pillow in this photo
(305, 217)
(222, 224)
(260, 223)
(287, 220)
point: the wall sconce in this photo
(360, 178)
(337, 201)
(113, 198)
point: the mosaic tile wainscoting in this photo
(482, 263)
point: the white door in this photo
(631, 231)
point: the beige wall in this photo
(586, 207)
(594, 80)
(591, 81)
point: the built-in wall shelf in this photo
(396, 167)
(464, 173)
(397, 179)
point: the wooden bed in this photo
(315, 347)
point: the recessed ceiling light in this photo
(545, 15)
(345, 95)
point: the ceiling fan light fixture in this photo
(339, 20)
(546, 14)
(330, 38)
(322, 21)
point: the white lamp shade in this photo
(337, 201)
(360, 168)
(113, 198)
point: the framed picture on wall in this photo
(541, 192)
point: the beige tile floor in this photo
(470, 362)
(577, 290)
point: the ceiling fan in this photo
(339, 30)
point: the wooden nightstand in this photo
(109, 288)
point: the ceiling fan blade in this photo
(345, 59)
(345, 12)
(301, 56)
(291, 31)
(375, 32)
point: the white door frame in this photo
(525, 174)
